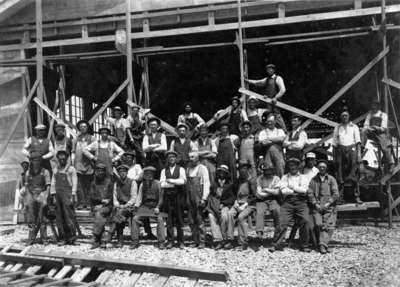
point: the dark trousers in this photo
(294, 210)
(382, 140)
(65, 217)
(101, 214)
(174, 205)
(84, 181)
(273, 207)
(35, 216)
(324, 225)
(196, 223)
(347, 167)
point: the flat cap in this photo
(244, 163)
(100, 165)
(171, 152)
(294, 160)
(105, 128)
(123, 167)
(149, 168)
(310, 155)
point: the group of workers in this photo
(252, 165)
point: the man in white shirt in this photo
(119, 125)
(293, 187)
(183, 145)
(154, 145)
(197, 189)
(172, 180)
(375, 128)
(296, 139)
(346, 154)
(272, 139)
(309, 169)
(254, 114)
(192, 120)
(135, 170)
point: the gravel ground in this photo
(361, 256)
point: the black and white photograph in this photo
(193, 143)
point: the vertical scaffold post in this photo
(39, 57)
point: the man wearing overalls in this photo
(271, 139)
(124, 198)
(37, 188)
(182, 145)
(295, 140)
(322, 195)
(104, 150)
(101, 196)
(192, 120)
(40, 144)
(61, 142)
(254, 115)
(197, 189)
(274, 90)
(63, 188)
(172, 180)
(246, 149)
(375, 128)
(154, 145)
(234, 118)
(82, 163)
(347, 154)
(119, 125)
(149, 203)
(226, 150)
(207, 151)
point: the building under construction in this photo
(62, 61)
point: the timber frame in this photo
(142, 26)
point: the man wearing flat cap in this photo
(221, 199)
(227, 145)
(243, 206)
(37, 188)
(246, 148)
(104, 150)
(125, 195)
(82, 163)
(61, 142)
(274, 90)
(346, 144)
(271, 139)
(154, 145)
(172, 180)
(119, 125)
(293, 187)
(64, 184)
(254, 114)
(267, 198)
(183, 145)
(296, 139)
(323, 195)
(375, 128)
(148, 204)
(191, 119)
(40, 144)
(135, 170)
(101, 197)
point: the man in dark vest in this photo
(375, 127)
(119, 125)
(182, 145)
(173, 179)
(37, 187)
(274, 90)
(191, 119)
(63, 188)
(124, 199)
(227, 145)
(154, 145)
(101, 196)
(40, 144)
(61, 142)
(295, 140)
(149, 202)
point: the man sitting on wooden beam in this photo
(274, 89)
(148, 204)
(375, 128)
(347, 154)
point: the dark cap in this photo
(171, 152)
(123, 167)
(223, 168)
(246, 123)
(62, 152)
(117, 108)
(149, 168)
(100, 165)
(150, 120)
(82, 122)
(244, 163)
(59, 126)
(105, 128)
(270, 66)
(294, 160)
(180, 125)
(131, 153)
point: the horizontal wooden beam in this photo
(18, 119)
(289, 108)
(214, 28)
(349, 84)
(391, 83)
(54, 262)
(109, 101)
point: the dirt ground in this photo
(360, 256)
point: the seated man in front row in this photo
(293, 187)
(148, 204)
(323, 194)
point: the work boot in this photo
(219, 245)
(150, 236)
(62, 243)
(201, 245)
(181, 245)
(274, 248)
(228, 245)
(170, 245)
(134, 245)
(305, 249)
(96, 241)
(358, 200)
(193, 245)
(162, 245)
(245, 246)
(120, 237)
(323, 249)
(259, 236)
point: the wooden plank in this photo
(19, 117)
(223, 113)
(4, 250)
(81, 275)
(289, 108)
(18, 266)
(27, 279)
(358, 207)
(160, 281)
(349, 84)
(63, 272)
(11, 274)
(391, 83)
(124, 264)
(104, 276)
(31, 260)
(132, 280)
(55, 283)
(109, 101)
(33, 269)
(218, 27)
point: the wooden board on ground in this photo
(358, 207)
